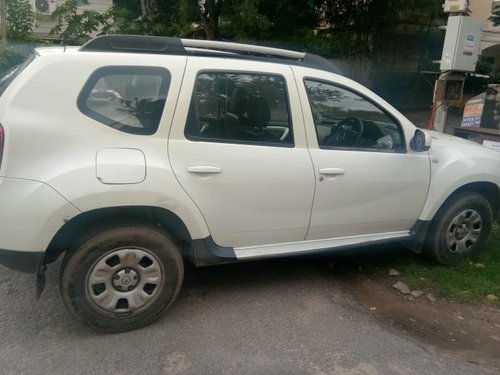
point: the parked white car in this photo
(132, 155)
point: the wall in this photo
(490, 42)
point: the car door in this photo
(238, 148)
(368, 181)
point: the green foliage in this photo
(168, 17)
(243, 21)
(487, 66)
(20, 19)
(411, 9)
(175, 17)
(360, 16)
(495, 18)
(186, 16)
(350, 28)
(290, 18)
(356, 21)
(125, 21)
(74, 25)
(470, 282)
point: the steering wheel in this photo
(347, 132)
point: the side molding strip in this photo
(312, 246)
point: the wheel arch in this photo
(489, 190)
(437, 247)
(436, 199)
(90, 221)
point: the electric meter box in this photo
(455, 6)
(462, 44)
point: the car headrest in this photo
(259, 113)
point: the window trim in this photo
(403, 150)
(108, 70)
(197, 138)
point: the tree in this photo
(360, 18)
(289, 18)
(495, 18)
(210, 13)
(128, 17)
(74, 24)
(154, 17)
(3, 20)
(243, 20)
(20, 19)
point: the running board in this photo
(314, 246)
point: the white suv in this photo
(133, 154)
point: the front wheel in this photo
(122, 279)
(459, 229)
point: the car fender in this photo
(456, 163)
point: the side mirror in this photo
(421, 141)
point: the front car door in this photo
(368, 181)
(238, 148)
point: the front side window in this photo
(240, 108)
(347, 120)
(128, 99)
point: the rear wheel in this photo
(459, 229)
(122, 279)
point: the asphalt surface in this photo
(273, 317)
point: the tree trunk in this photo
(3, 20)
(145, 15)
(211, 27)
(210, 12)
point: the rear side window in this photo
(9, 77)
(247, 108)
(128, 99)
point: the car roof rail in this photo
(243, 48)
(177, 46)
(135, 44)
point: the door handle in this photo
(331, 171)
(204, 169)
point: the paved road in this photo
(273, 317)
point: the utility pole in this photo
(3, 20)
(460, 55)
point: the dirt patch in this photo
(470, 332)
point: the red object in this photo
(2, 138)
(433, 116)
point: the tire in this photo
(459, 229)
(121, 279)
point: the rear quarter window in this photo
(128, 99)
(11, 74)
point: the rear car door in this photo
(238, 148)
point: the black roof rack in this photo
(135, 44)
(178, 46)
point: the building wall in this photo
(481, 9)
(490, 42)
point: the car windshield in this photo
(11, 74)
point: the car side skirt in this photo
(315, 246)
(206, 252)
